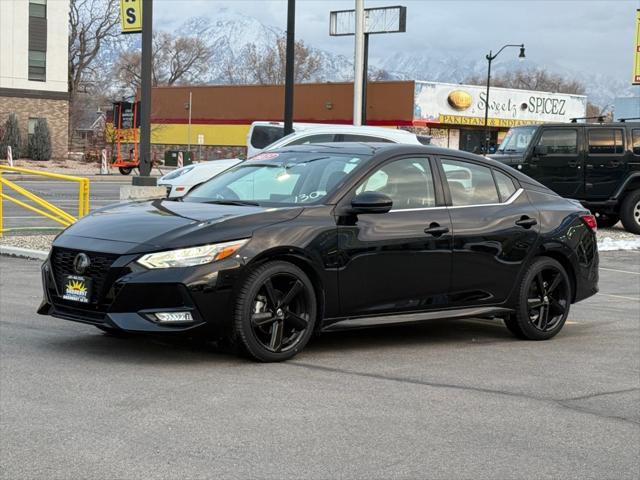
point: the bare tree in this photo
(268, 65)
(532, 79)
(92, 24)
(176, 60)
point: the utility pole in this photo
(189, 127)
(145, 96)
(358, 76)
(289, 74)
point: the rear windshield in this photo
(288, 178)
(264, 135)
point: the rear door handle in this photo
(526, 222)
(436, 230)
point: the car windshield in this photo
(517, 140)
(279, 178)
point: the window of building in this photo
(560, 142)
(37, 66)
(31, 128)
(605, 140)
(38, 8)
(408, 182)
(470, 184)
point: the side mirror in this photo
(371, 202)
(540, 150)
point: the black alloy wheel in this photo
(544, 301)
(125, 170)
(275, 312)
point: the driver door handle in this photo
(436, 230)
(526, 222)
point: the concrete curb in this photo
(23, 253)
(93, 178)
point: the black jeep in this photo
(597, 164)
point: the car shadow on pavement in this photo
(143, 349)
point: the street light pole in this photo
(289, 67)
(490, 58)
(358, 77)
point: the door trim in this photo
(406, 318)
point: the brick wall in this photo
(55, 111)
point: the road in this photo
(61, 194)
(458, 399)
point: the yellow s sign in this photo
(131, 16)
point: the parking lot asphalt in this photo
(447, 400)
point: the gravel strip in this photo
(33, 242)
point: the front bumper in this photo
(126, 295)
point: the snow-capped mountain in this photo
(230, 33)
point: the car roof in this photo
(582, 124)
(389, 149)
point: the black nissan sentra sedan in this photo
(329, 237)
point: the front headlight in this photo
(189, 257)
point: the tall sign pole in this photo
(361, 23)
(290, 65)
(358, 63)
(145, 94)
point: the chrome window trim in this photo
(511, 199)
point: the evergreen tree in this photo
(40, 141)
(11, 137)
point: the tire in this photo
(607, 220)
(275, 312)
(544, 300)
(125, 170)
(630, 212)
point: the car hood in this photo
(161, 224)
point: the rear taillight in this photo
(590, 221)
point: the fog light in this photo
(174, 317)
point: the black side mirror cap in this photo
(371, 202)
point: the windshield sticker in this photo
(265, 156)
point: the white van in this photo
(271, 134)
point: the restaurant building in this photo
(220, 116)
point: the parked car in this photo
(328, 237)
(309, 133)
(271, 134)
(597, 164)
(181, 180)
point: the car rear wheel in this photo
(275, 312)
(607, 220)
(630, 212)
(125, 170)
(544, 301)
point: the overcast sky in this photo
(582, 35)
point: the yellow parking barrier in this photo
(47, 209)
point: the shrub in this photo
(40, 141)
(11, 136)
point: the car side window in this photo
(469, 183)
(605, 141)
(320, 138)
(506, 187)
(635, 137)
(347, 137)
(408, 182)
(561, 141)
(264, 136)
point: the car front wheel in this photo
(544, 301)
(275, 312)
(630, 212)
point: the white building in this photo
(34, 66)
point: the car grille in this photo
(62, 264)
